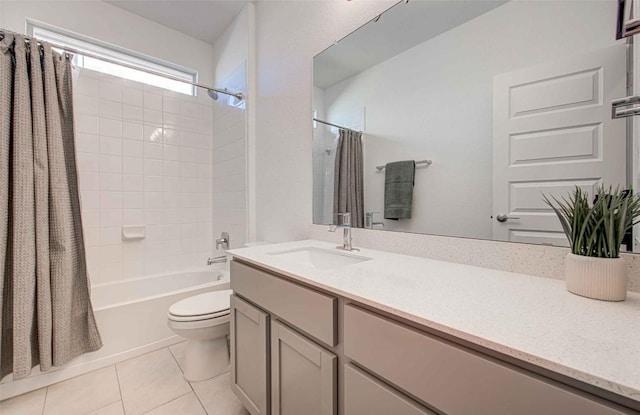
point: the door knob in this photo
(501, 217)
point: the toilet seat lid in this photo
(202, 304)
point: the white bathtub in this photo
(132, 318)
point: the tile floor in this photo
(151, 384)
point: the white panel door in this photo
(552, 130)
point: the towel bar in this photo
(421, 162)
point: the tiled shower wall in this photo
(144, 158)
(229, 164)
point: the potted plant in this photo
(595, 232)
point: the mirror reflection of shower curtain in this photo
(348, 193)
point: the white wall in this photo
(232, 48)
(111, 24)
(288, 35)
(434, 101)
(144, 158)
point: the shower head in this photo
(213, 94)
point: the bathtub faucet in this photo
(217, 260)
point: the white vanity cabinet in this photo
(289, 358)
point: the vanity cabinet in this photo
(250, 355)
(289, 358)
(280, 332)
(303, 374)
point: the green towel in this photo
(398, 189)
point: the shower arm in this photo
(69, 50)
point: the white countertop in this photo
(530, 318)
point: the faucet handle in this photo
(223, 241)
(346, 218)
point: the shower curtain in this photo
(348, 189)
(46, 317)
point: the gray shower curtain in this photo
(348, 188)
(46, 315)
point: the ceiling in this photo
(205, 19)
(398, 29)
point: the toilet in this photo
(204, 321)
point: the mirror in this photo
(497, 102)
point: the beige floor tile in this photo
(113, 409)
(29, 403)
(217, 398)
(149, 381)
(177, 350)
(187, 405)
(83, 394)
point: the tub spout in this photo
(217, 260)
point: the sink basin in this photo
(319, 258)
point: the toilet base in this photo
(205, 359)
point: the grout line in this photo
(166, 403)
(44, 402)
(188, 383)
(115, 367)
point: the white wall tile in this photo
(110, 164)
(153, 200)
(135, 168)
(86, 104)
(111, 90)
(132, 131)
(134, 216)
(132, 165)
(133, 182)
(153, 151)
(87, 124)
(89, 199)
(89, 181)
(110, 127)
(152, 101)
(110, 217)
(110, 109)
(132, 113)
(153, 183)
(110, 200)
(110, 236)
(133, 200)
(152, 117)
(111, 181)
(132, 148)
(132, 96)
(153, 167)
(111, 145)
(171, 152)
(87, 143)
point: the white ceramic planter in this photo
(599, 278)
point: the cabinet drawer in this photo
(308, 310)
(452, 379)
(365, 395)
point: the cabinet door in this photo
(250, 356)
(303, 375)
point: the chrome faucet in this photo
(223, 241)
(217, 260)
(346, 226)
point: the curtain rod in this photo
(335, 125)
(67, 49)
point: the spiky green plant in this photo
(596, 230)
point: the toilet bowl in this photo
(204, 321)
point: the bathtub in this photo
(132, 318)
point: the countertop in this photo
(529, 318)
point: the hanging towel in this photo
(398, 189)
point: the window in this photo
(62, 37)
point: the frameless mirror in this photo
(497, 102)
